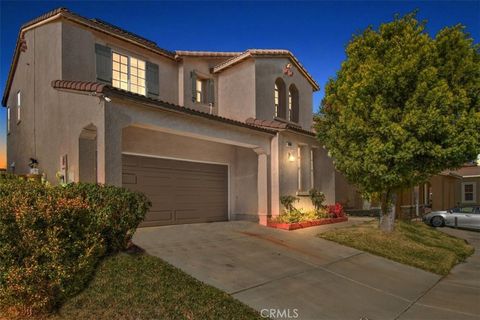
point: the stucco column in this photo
(275, 176)
(112, 145)
(262, 185)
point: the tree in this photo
(403, 107)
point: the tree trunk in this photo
(387, 215)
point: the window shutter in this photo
(211, 91)
(193, 76)
(104, 63)
(152, 80)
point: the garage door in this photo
(180, 191)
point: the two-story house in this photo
(207, 136)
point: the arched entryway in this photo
(87, 154)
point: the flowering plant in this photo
(336, 210)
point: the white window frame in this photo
(129, 73)
(9, 117)
(19, 106)
(474, 189)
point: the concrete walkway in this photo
(294, 272)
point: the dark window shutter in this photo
(153, 85)
(210, 91)
(193, 77)
(104, 63)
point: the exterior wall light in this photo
(291, 157)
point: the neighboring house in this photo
(449, 189)
(208, 136)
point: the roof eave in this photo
(242, 57)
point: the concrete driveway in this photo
(282, 274)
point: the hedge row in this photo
(51, 239)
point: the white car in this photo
(462, 217)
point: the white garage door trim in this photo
(189, 160)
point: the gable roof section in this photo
(266, 53)
(469, 171)
(95, 24)
(98, 88)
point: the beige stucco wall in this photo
(236, 91)
(36, 67)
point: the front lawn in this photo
(145, 287)
(412, 243)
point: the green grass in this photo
(145, 287)
(413, 243)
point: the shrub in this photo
(317, 198)
(297, 215)
(336, 210)
(49, 246)
(51, 238)
(287, 202)
(117, 211)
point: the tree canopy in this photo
(404, 105)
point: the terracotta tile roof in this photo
(266, 52)
(95, 87)
(214, 54)
(78, 85)
(278, 125)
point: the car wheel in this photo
(437, 221)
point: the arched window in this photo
(279, 99)
(293, 107)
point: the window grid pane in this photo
(128, 73)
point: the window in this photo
(279, 99)
(8, 120)
(468, 192)
(293, 107)
(304, 169)
(200, 91)
(289, 105)
(128, 73)
(276, 100)
(19, 104)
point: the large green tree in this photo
(403, 107)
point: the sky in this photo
(315, 31)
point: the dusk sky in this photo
(316, 32)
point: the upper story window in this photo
(203, 88)
(128, 73)
(279, 99)
(200, 91)
(8, 120)
(19, 105)
(293, 104)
